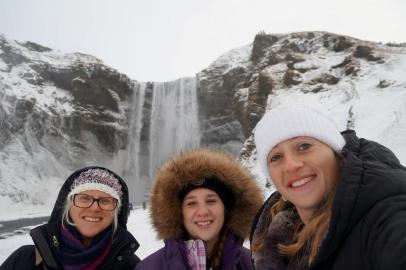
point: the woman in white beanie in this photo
(340, 200)
(87, 228)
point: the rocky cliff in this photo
(360, 82)
(61, 111)
(234, 90)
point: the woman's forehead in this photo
(95, 193)
(200, 192)
(293, 140)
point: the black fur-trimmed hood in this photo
(65, 189)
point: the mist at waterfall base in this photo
(171, 129)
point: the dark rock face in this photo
(86, 117)
(365, 52)
(97, 94)
(262, 41)
(61, 112)
(217, 110)
(10, 56)
(291, 77)
(350, 66)
(91, 85)
(255, 107)
(233, 99)
(341, 43)
(35, 47)
(325, 78)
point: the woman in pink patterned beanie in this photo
(87, 228)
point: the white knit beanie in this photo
(291, 121)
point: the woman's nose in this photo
(95, 206)
(292, 163)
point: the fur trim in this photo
(191, 168)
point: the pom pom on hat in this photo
(97, 179)
(291, 121)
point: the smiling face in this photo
(304, 170)
(203, 215)
(93, 220)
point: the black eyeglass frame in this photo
(115, 201)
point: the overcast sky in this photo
(160, 40)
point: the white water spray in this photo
(172, 127)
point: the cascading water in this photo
(131, 159)
(172, 128)
(174, 122)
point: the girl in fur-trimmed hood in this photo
(202, 204)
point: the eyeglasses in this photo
(86, 201)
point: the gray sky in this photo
(160, 40)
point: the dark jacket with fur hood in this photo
(166, 208)
(46, 238)
(368, 222)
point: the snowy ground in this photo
(138, 224)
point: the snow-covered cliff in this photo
(62, 111)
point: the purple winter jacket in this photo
(173, 256)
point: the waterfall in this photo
(170, 127)
(174, 122)
(132, 164)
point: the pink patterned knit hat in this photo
(97, 179)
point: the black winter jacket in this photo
(46, 238)
(368, 224)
